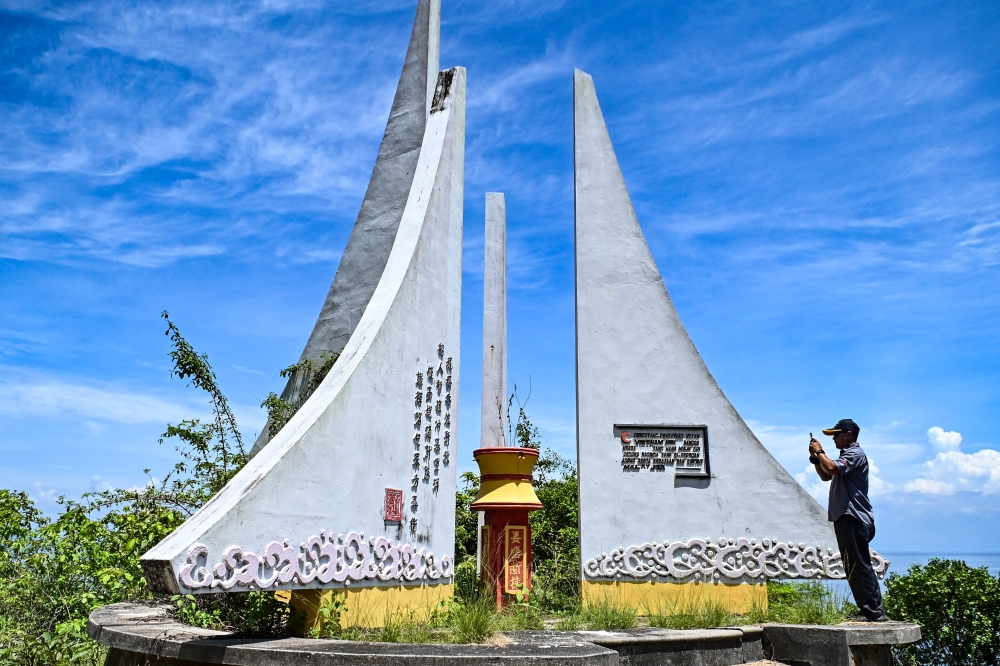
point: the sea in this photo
(900, 562)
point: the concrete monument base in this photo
(667, 596)
(145, 634)
(370, 606)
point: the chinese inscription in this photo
(517, 559)
(431, 428)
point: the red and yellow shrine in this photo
(506, 496)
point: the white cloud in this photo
(976, 472)
(927, 487)
(944, 440)
(41, 494)
(906, 467)
(98, 484)
(815, 486)
(876, 485)
(52, 397)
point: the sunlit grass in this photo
(609, 613)
(475, 619)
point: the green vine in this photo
(307, 372)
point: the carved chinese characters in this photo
(647, 448)
(432, 429)
(517, 559)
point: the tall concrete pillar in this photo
(494, 405)
(374, 232)
(674, 487)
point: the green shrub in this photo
(958, 608)
(54, 572)
(555, 542)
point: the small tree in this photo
(958, 608)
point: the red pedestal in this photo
(505, 543)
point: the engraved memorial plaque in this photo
(654, 448)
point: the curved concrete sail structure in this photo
(493, 428)
(375, 228)
(673, 484)
(357, 491)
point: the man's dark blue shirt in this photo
(849, 487)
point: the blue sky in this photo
(818, 182)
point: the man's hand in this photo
(825, 467)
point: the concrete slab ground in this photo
(146, 633)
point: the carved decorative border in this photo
(728, 559)
(324, 558)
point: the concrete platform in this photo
(145, 633)
(847, 644)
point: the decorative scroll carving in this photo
(325, 558)
(726, 560)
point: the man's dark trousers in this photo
(853, 537)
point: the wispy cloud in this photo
(49, 398)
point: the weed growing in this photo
(609, 613)
(692, 614)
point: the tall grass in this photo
(475, 619)
(806, 603)
(609, 613)
(692, 614)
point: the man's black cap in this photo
(842, 425)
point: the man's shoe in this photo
(864, 618)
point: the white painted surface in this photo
(494, 404)
(329, 466)
(375, 228)
(637, 365)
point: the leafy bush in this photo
(54, 572)
(958, 608)
(555, 535)
(466, 520)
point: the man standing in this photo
(851, 514)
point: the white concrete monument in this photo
(674, 487)
(357, 492)
(494, 405)
(367, 251)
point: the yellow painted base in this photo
(368, 606)
(666, 597)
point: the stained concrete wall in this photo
(494, 404)
(314, 497)
(637, 365)
(371, 239)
